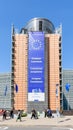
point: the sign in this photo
(36, 66)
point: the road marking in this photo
(71, 128)
(5, 128)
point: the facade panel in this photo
(20, 73)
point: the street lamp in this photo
(57, 94)
(67, 87)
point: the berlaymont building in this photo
(36, 77)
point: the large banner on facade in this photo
(36, 61)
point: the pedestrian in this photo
(34, 114)
(12, 114)
(49, 113)
(18, 115)
(4, 114)
(45, 113)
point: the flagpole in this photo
(68, 101)
(56, 98)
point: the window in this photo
(40, 25)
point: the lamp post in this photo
(57, 94)
(67, 87)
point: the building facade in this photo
(68, 95)
(37, 66)
(5, 91)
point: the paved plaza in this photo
(62, 121)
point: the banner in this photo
(36, 67)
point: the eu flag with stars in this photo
(67, 87)
(16, 88)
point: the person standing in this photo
(49, 113)
(4, 115)
(12, 114)
(45, 111)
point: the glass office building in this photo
(67, 95)
(5, 91)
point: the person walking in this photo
(34, 114)
(18, 115)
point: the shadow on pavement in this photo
(65, 120)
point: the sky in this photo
(19, 12)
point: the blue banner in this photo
(36, 66)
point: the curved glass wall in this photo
(40, 24)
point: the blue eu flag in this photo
(67, 86)
(16, 88)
